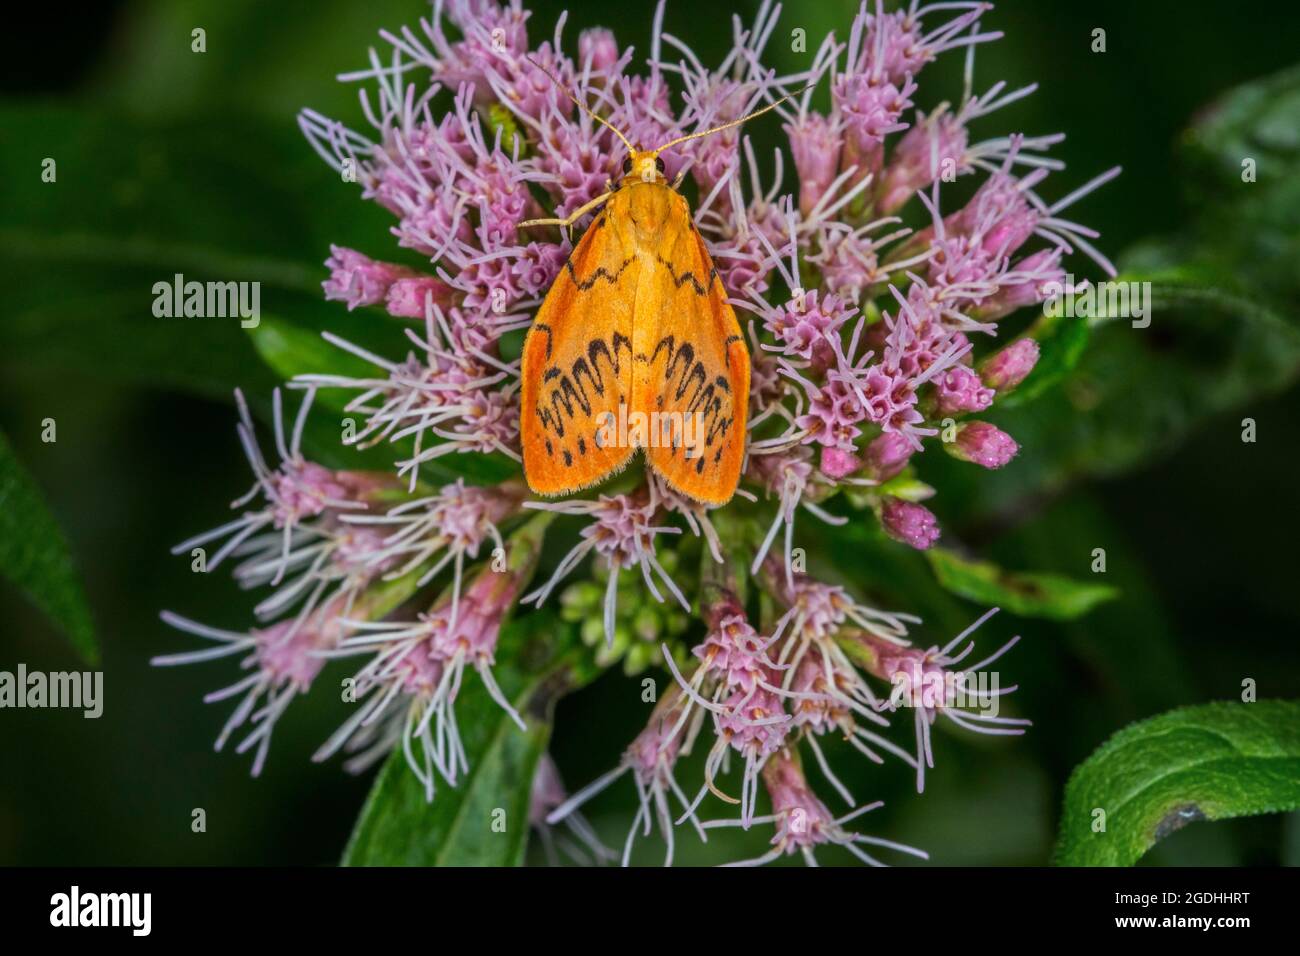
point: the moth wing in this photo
(577, 366)
(697, 370)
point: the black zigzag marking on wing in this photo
(543, 327)
(712, 400)
(688, 276)
(586, 377)
(600, 273)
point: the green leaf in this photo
(292, 349)
(1139, 392)
(181, 201)
(1224, 320)
(1136, 393)
(1257, 120)
(253, 56)
(539, 659)
(35, 556)
(1209, 762)
(1028, 594)
(1250, 224)
(82, 253)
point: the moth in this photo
(636, 347)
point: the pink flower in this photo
(359, 280)
(599, 50)
(808, 327)
(303, 508)
(909, 523)
(872, 107)
(803, 822)
(837, 463)
(410, 297)
(886, 455)
(622, 531)
(927, 151)
(887, 287)
(815, 143)
(283, 661)
(960, 390)
(547, 795)
(983, 444)
(931, 683)
(1025, 284)
(651, 758)
(406, 693)
(1006, 369)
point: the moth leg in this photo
(573, 216)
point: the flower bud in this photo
(982, 444)
(837, 463)
(359, 280)
(1006, 369)
(598, 47)
(887, 455)
(407, 297)
(960, 390)
(909, 523)
(815, 144)
(921, 157)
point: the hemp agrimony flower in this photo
(873, 303)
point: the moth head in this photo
(643, 166)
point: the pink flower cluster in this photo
(768, 697)
(871, 340)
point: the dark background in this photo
(1200, 541)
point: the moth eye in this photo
(659, 164)
(627, 166)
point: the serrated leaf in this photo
(1209, 762)
(35, 557)
(539, 658)
(1029, 594)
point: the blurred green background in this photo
(167, 157)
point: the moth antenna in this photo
(744, 119)
(582, 106)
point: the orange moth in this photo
(635, 346)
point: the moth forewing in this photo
(576, 369)
(636, 325)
